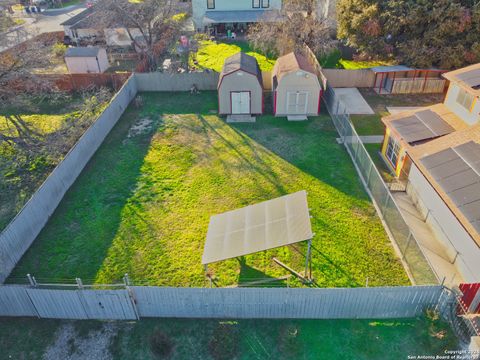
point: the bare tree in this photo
(154, 20)
(299, 26)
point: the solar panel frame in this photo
(267, 225)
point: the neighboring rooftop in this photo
(424, 123)
(244, 16)
(293, 61)
(82, 52)
(468, 78)
(452, 165)
(244, 62)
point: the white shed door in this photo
(297, 102)
(240, 102)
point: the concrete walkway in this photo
(437, 253)
(371, 139)
(354, 101)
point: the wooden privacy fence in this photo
(363, 78)
(240, 303)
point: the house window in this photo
(265, 4)
(256, 4)
(210, 4)
(393, 151)
(465, 99)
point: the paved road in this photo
(37, 24)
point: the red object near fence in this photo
(470, 299)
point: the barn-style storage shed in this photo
(296, 89)
(240, 87)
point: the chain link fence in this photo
(418, 266)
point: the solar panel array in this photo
(267, 225)
(471, 78)
(457, 171)
(422, 125)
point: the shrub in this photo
(223, 344)
(330, 60)
(59, 49)
(161, 345)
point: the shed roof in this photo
(291, 62)
(82, 52)
(451, 164)
(267, 225)
(467, 77)
(244, 62)
(393, 68)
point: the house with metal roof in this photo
(435, 151)
(240, 87)
(84, 27)
(223, 16)
(296, 88)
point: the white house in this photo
(86, 60)
(222, 15)
(437, 150)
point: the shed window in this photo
(256, 4)
(465, 99)
(210, 4)
(393, 151)
(265, 4)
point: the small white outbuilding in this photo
(86, 60)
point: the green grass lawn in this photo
(143, 203)
(374, 151)
(242, 339)
(368, 124)
(22, 171)
(356, 65)
(211, 55)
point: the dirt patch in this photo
(70, 345)
(142, 126)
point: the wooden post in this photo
(425, 81)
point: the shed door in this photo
(297, 102)
(240, 102)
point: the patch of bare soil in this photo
(69, 345)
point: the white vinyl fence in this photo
(240, 303)
(17, 237)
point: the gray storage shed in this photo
(240, 87)
(86, 60)
(296, 89)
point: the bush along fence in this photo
(419, 269)
(17, 237)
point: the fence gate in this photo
(112, 305)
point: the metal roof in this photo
(267, 225)
(457, 171)
(393, 68)
(244, 62)
(82, 52)
(241, 16)
(422, 125)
